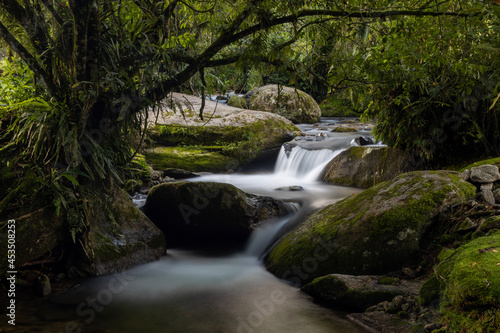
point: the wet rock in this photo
(363, 140)
(358, 292)
(374, 232)
(208, 214)
(485, 174)
(290, 188)
(366, 166)
(179, 173)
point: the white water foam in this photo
(302, 163)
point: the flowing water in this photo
(188, 291)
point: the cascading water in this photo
(302, 163)
(186, 291)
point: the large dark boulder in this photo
(364, 167)
(293, 104)
(377, 231)
(208, 214)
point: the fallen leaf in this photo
(474, 264)
(494, 251)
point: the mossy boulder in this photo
(216, 148)
(376, 231)
(293, 104)
(36, 234)
(364, 167)
(356, 293)
(119, 236)
(189, 158)
(237, 102)
(208, 214)
(467, 283)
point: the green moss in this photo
(226, 147)
(430, 290)
(103, 248)
(471, 285)
(344, 129)
(237, 102)
(387, 280)
(491, 223)
(494, 161)
(377, 232)
(191, 159)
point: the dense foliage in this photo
(83, 76)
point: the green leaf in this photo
(71, 179)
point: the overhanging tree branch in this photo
(342, 14)
(40, 74)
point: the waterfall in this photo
(302, 163)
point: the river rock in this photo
(357, 292)
(366, 166)
(467, 281)
(208, 214)
(179, 173)
(496, 195)
(293, 104)
(227, 138)
(36, 233)
(486, 187)
(363, 140)
(290, 188)
(488, 197)
(237, 102)
(485, 174)
(376, 231)
(466, 174)
(119, 236)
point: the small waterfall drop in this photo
(302, 163)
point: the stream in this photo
(192, 291)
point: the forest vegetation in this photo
(77, 78)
